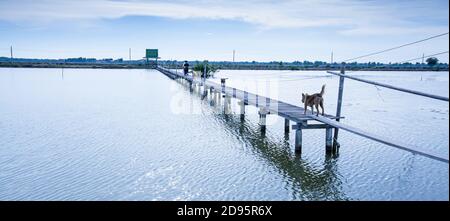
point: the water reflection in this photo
(306, 181)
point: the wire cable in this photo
(391, 65)
(444, 52)
(397, 47)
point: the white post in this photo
(298, 138)
(242, 105)
(339, 106)
(227, 105)
(286, 125)
(328, 139)
(262, 118)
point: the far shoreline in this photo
(220, 67)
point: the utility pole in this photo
(423, 62)
(234, 52)
(129, 54)
(331, 57)
(11, 54)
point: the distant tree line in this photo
(431, 64)
(71, 60)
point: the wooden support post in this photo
(339, 106)
(210, 95)
(245, 97)
(286, 125)
(242, 105)
(298, 138)
(227, 104)
(262, 119)
(234, 92)
(328, 139)
(205, 89)
(219, 101)
(257, 101)
(222, 82)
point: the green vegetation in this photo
(432, 61)
(199, 68)
(431, 64)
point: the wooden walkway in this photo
(296, 114)
(285, 110)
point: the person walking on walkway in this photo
(185, 67)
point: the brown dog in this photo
(314, 100)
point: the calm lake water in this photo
(86, 134)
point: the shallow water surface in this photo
(91, 134)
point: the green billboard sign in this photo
(151, 53)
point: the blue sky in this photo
(264, 30)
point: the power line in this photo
(388, 65)
(423, 57)
(394, 48)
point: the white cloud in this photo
(349, 17)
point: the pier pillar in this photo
(222, 82)
(339, 105)
(205, 90)
(298, 138)
(245, 97)
(329, 139)
(262, 119)
(199, 89)
(286, 125)
(242, 107)
(227, 104)
(191, 87)
(218, 102)
(257, 98)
